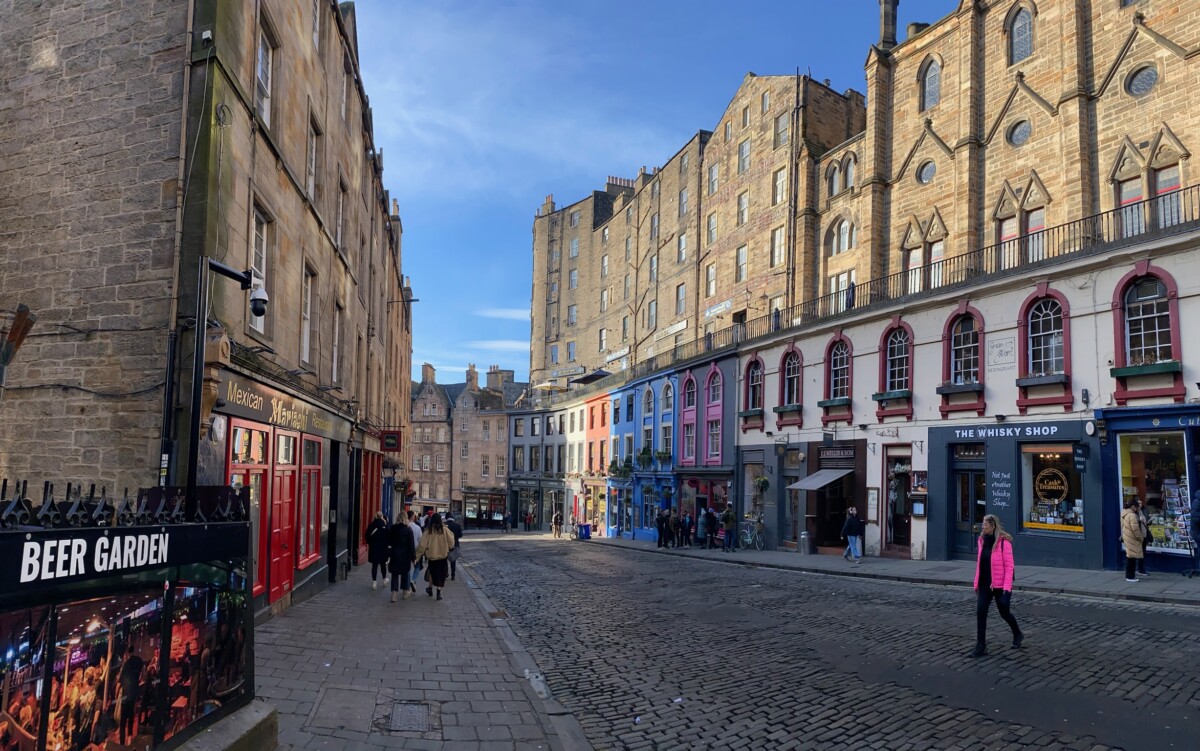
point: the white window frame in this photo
(306, 316)
(260, 252)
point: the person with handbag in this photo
(1134, 538)
(435, 545)
(994, 569)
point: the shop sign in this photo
(836, 452)
(43, 558)
(1050, 485)
(674, 328)
(718, 309)
(618, 354)
(1081, 452)
(255, 401)
(1001, 354)
(577, 370)
(1015, 431)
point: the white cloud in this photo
(507, 314)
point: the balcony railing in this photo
(1163, 216)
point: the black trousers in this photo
(399, 580)
(1133, 566)
(983, 603)
(377, 570)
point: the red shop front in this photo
(280, 447)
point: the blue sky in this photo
(483, 107)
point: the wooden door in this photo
(283, 514)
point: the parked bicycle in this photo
(753, 533)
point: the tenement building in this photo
(460, 444)
(978, 308)
(151, 151)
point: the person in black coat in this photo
(457, 530)
(402, 553)
(377, 547)
(853, 531)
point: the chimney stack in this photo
(496, 378)
(472, 378)
(887, 23)
(428, 375)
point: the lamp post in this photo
(258, 306)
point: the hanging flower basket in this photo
(761, 483)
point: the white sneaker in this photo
(374, 584)
(1130, 580)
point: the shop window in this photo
(1154, 471)
(310, 513)
(248, 467)
(1051, 489)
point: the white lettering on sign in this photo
(1018, 431)
(56, 559)
(1001, 489)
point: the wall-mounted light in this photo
(862, 426)
(1001, 418)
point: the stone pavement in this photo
(1157, 587)
(349, 670)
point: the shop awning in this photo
(819, 479)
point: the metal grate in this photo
(410, 716)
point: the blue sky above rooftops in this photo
(484, 108)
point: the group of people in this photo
(398, 549)
(677, 530)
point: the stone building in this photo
(992, 280)
(430, 467)
(141, 138)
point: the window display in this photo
(1051, 489)
(1154, 470)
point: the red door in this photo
(249, 466)
(283, 514)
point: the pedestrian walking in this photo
(557, 523)
(729, 522)
(435, 545)
(660, 524)
(528, 521)
(1147, 538)
(701, 529)
(676, 529)
(401, 556)
(994, 570)
(416, 567)
(457, 530)
(853, 531)
(1134, 538)
(687, 529)
(377, 548)
(710, 518)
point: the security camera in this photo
(258, 302)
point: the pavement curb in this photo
(858, 573)
(566, 728)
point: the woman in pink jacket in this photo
(994, 581)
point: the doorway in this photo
(970, 496)
(899, 473)
(283, 509)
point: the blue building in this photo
(654, 483)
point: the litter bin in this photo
(804, 547)
(585, 531)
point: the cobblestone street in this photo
(662, 652)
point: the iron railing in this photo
(1163, 216)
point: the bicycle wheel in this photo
(759, 540)
(744, 539)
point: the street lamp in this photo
(258, 307)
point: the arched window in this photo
(899, 361)
(1147, 323)
(931, 85)
(964, 351)
(839, 371)
(714, 388)
(689, 392)
(848, 171)
(668, 398)
(1046, 338)
(754, 385)
(1020, 36)
(791, 379)
(648, 402)
(834, 180)
(842, 237)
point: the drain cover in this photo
(410, 716)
